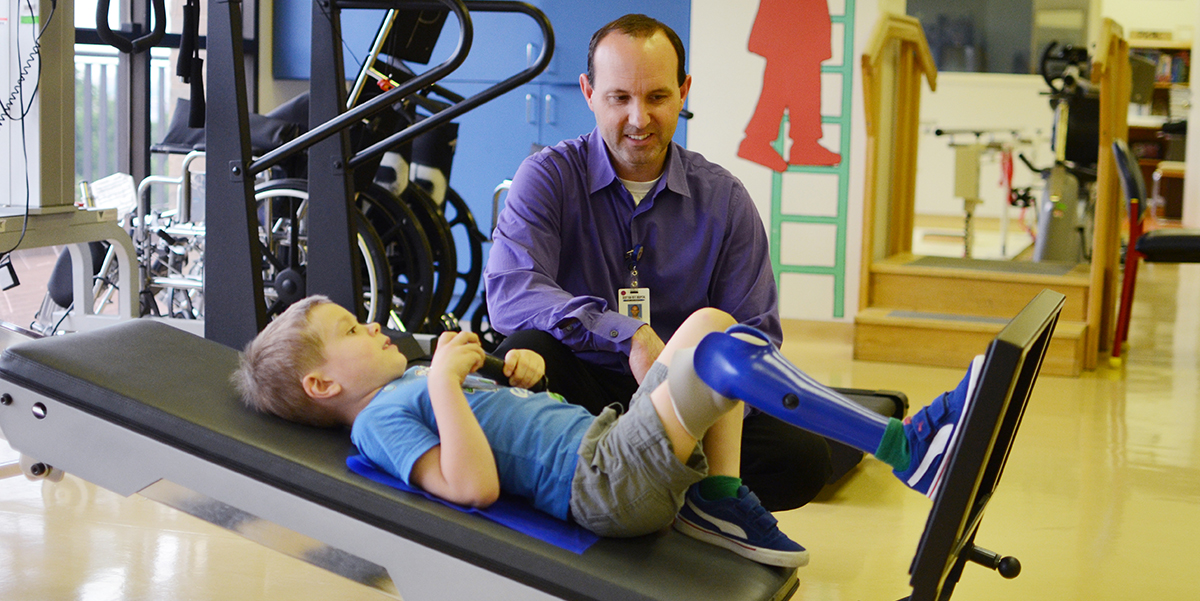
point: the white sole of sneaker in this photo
(764, 556)
(976, 369)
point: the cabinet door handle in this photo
(551, 116)
(530, 109)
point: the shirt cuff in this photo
(616, 330)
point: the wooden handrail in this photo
(1111, 74)
(891, 156)
(905, 29)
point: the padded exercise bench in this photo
(141, 407)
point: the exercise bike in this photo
(1064, 215)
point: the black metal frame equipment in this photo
(233, 285)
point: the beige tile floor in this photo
(1100, 500)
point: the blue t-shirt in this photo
(534, 437)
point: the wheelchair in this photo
(410, 230)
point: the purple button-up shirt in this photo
(558, 257)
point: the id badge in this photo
(635, 303)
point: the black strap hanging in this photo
(190, 66)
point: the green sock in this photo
(719, 487)
(893, 448)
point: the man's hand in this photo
(524, 368)
(644, 348)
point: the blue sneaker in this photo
(932, 431)
(741, 525)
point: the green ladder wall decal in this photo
(841, 171)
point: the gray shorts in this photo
(628, 481)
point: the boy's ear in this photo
(319, 387)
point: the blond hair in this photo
(274, 364)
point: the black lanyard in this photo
(632, 256)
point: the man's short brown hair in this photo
(637, 26)
(274, 364)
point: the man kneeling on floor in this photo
(672, 459)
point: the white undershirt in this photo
(639, 190)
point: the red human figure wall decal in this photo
(794, 37)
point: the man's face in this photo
(636, 98)
(356, 355)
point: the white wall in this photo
(727, 79)
(975, 101)
(1191, 186)
(1176, 16)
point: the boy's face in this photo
(357, 356)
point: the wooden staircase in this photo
(943, 311)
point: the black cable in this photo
(18, 95)
(18, 92)
(62, 319)
(345, 46)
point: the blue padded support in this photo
(737, 365)
(513, 512)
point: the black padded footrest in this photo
(1170, 246)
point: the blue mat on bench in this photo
(508, 511)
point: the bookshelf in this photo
(1170, 101)
(1172, 60)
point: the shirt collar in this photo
(599, 167)
(602, 174)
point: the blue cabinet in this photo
(291, 44)
(494, 138)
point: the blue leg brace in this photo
(741, 363)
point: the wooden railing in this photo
(892, 65)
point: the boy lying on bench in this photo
(672, 459)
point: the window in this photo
(998, 36)
(113, 88)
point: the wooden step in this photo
(947, 340)
(974, 287)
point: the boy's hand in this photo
(457, 354)
(524, 368)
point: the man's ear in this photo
(319, 387)
(586, 88)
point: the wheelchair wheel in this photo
(441, 241)
(408, 254)
(186, 302)
(283, 234)
(465, 230)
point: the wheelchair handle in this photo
(134, 45)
